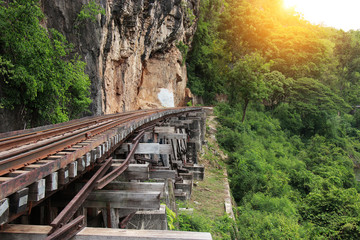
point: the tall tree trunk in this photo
(244, 109)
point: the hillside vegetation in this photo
(288, 124)
(40, 74)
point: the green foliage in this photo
(183, 48)
(35, 73)
(278, 86)
(188, 12)
(262, 225)
(171, 218)
(291, 162)
(220, 228)
(206, 61)
(89, 12)
(193, 223)
(246, 81)
(289, 187)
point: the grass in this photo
(209, 195)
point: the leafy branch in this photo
(89, 11)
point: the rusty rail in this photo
(70, 209)
(46, 142)
(117, 171)
(25, 138)
(15, 160)
(126, 123)
(69, 230)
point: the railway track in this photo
(24, 149)
(28, 157)
(21, 150)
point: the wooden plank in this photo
(165, 149)
(81, 164)
(185, 187)
(133, 172)
(4, 179)
(123, 199)
(39, 232)
(147, 148)
(63, 175)
(135, 186)
(17, 173)
(37, 190)
(186, 176)
(87, 159)
(133, 167)
(129, 175)
(19, 200)
(4, 210)
(162, 174)
(195, 167)
(179, 136)
(52, 182)
(73, 169)
(164, 129)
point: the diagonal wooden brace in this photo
(117, 171)
(69, 230)
(70, 209)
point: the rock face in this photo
(131, 52)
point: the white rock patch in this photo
(166, 97)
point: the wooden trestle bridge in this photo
(60, 181)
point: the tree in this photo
(315, 103)
(347, 51)
(246, 81)
(44, 80)
(207, 59)
(279, 87)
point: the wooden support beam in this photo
(186, 176)
(51, 182)
(195, 167)
(4, 210)
(123, 199)
(185, 187)
(179, 136)
(81, 164)
(87, 159)
(111, 217)
(135, 186)
(19, 200)
(63, 175)
(37, 190)
(149, 220)
(146, 148)
(162, 174)
(73, 169)
(39, 232)
(133, 172)
(164, 129)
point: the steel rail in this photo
(120, 169)
(21, 139)
(11, 184)
(18, 161)
(68, 212)
(55, 138)
(39, 143)
(69, 230)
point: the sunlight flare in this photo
(333, 13)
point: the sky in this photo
(341, 14)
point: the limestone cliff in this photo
(131, 52)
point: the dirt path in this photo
(211, 197)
